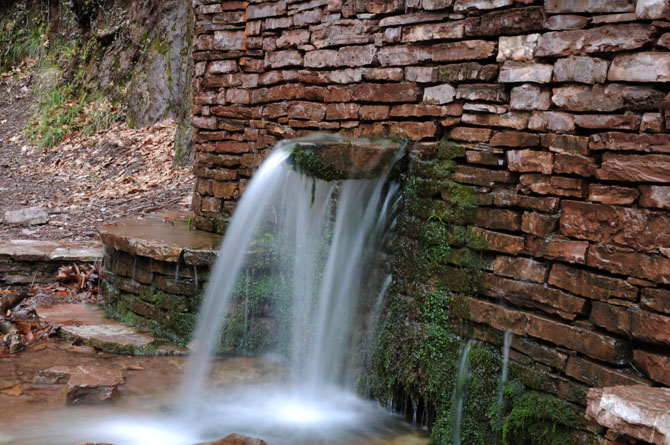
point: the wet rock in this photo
(237, 439)
(32, 216)
(14, 342)
(93, 384)
(640, 412)
(54, 375)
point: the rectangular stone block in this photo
(552, 121)
(530, 97)
(652, 143)
(613, 318)
(557, 248)
(516, 120)
(482, 91)
(520, 268)
(650, 327)
(638, 168)
(608, 38)
(629, 262)
(554, 185)
(530, 161)
(433, 31)
(506, 22)
(501, 242)
(612, 194)
(597, 375)
(498, 219)
(657, 196)
(641, 67)
(608, 121)
(538, 224)
(654, 365)
(572, 164)
(581, 69)
(508, 198)
(463, 50)
(591, 285)
(582, 98)
(607, 6)
(519, 72)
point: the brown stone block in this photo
(642, 168)
(515, 139)
(498, 219)
(608, 38)
(570, 164)
(342, 111)
(596, 375)
(508, 198)
(581, 69)
(530, 161)
(516, 120)
(530, 97)
(655, 366)
(540, 353)
(232, 111)
(470, 134)
(641, 229)
(387, 74)
(223, 189)
(538, 224)
(521, 268)
(433, 31)
(612, 318)
(553, 185)
(262, 10)
(550, 300)
(608, 121)
(565, 143)
(413, 130)
(652, 123)
(590, 285)
(483, 157)
(643, 98)
(653, 143)
(501, 242)
(641, 67)
(482, 91)
(507, 22)
(518, 72)
(552, 121)
(306, 110)
(606, 6)
(404, 55)
(612, 194)
(606, 98)
(655, 196)
(481, 176)
(651, 327)
(463, 72)
(567, 21)
(629, 262)
(373, 92)
(420, 110)
(501, 318)
(462, 50)
(558, 249)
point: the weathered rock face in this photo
(560, 107)
(636, 411)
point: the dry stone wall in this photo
(560, 104)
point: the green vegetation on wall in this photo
(437, 263)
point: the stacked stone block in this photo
(560, 105)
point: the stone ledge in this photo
(162, 239)
(640, 412)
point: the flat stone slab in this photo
(34, 250)
(162, 239)
(88, 324)
(641, 412)
(26, 217)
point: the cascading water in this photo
(327, 236)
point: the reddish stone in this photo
(641, 98)
(521, 268)
(514, 139)
(594, 374)
(258, 11)
(655, 196)
(574, 164)
(518, 72)
(612, 194)
(589, 284)
(611, 6)
(564, 143)
(390, 74)
(462, 50)
(470, 134)
(608, 38)
(373, 92)
(501, 318)
(530, 161)
(481, 176)
(498, 219)
(651, 327)
(306, 110)
(483, 157)
(343, 32)
(608, 121)
(577, 338)
(654, 143)
(501, 242)
(613, 318)
(463, 72)
(558, 249)
(637, 412)
(553, 185)
(479, 91)
(581, 69)
(638, 168)
(651, 123)
(530, 97)
(655, 366)
(403, 55)
(641, 67)
(585, 98)
(640, 229)
(439, 94)
(508, 198)
(540, 353)
(507, 22)
(413, 130)
(415, 110)
(408, 19)
(374, 112)
(538, 224)
(629, 262)
(563, 22)
(552, 121)
(535, 295)
(433, 31)
(516, 120)
(520, 48)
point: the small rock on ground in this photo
(32, 216)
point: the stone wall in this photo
(560, 106)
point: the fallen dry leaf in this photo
(13, 391)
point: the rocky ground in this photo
(85, 181)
